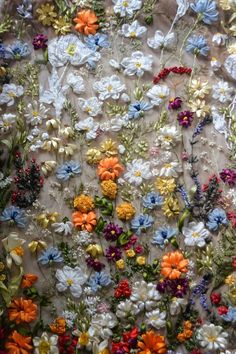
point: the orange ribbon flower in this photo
(109, 168)
(84, 221)
(22, 310)
(86, 22)
(173, 265)
(18, 344)
(58, 326)
(28, 280)
(152, 343)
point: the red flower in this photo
(67, 344)
(215, 298)
(119, 347)
(222, 310)
(133, 334)
(232, 217)
(123, 289)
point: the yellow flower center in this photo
(70, 281)
(125, 3)
(88, 109)
(44, 347)
(18, 250)
(11, 94)
(195, 234)
(35, 113)
(109, 88)
(167, 165)
(83, 339)
(168, 138)
(212, 339)
(161, 95)
(138, 65)
(113, 232)
(133, 34)
(185, 118)
(138, 173)
(71, 49)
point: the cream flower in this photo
(102, 324)
(198, 88)
(168, 136)
(145, 295)
(45, 344)
(72, 279)
(36, 113)
(9, 93)
(126, 308)
(212, 337)
(13, 246)
(109, 87)
(177, 303)
(170, 169)
(158, 94)
(76, 82)
(137, 64)
(199, 107)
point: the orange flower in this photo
(173, 265)
(152, 343)
(22, 310)
(18, 344)
(84, 221)
(58, 326)
(109, 168)
(86, 22)
(28, 280)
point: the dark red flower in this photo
(119, 348)
(175, 103)
(131, 337)
(222, 310)
(123, 289)
(228, 176)
(231, 215)
(185, 118)
(40, 41)
(215, 298)
(67, 344)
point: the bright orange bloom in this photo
(58, 326)
(86, 22)
(84, 221)
(173, 265)
(109, 168)
(18, 344)
(152, 344)
(28, 280)
(22, 310)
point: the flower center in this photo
(195, 234)
(137, 173)
(11, 94)
(125, 3)
(109, 88)
(168, 138)
(185, 118)
(84, 339)
(44, 347)
(18, 250)
(35, 113)
(71, 49)
(133, 34)
(138, 65)
(70, 281)
(212, 339)
(167, 165)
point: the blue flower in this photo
(197, 45)
(137, 109)
(67, 170)
(98, 280)
(52, 254)
(99, 40)
(14, 214)
(230, 316)
(2, 51)
(17, 50)
(25, 9)
(207, 10)
(141, 223)
(162, 235)
(152, 200)
(216, 218)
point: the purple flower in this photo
(175, 103)
(178, 287)
(185, 118)
(228, 176)
(112, 232)
(113, 253)
(40, 41)
(95, 264)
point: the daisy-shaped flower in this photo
(158, 94)
(109, 87)
(72, 279)
(46, 344)
(137, 171)
(137, 64)
(89, 126)
(168, 136)
(156, 318)
(195, 234)
(161, 41)
(133, 30)
(212, 337)
(9, 93)
(126, 7)
(92, 106)
(36, 113)
(222, 91)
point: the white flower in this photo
(92, 106)
(170, 169)
(230, 65)
(63, 227)
(89, 126)
(222, 91)
(219, 39)
(36, 113)
(102, 324)
(109, 87)
(168, 136)
(126, 7)
(126, 308)
(9, 93)
(99, 348)
(212, 337)
(195, 234)
(158, 94)
(145, 295)
(137, 170)
(70, 317)
(68, 49)
(7, 121)
(161, 41)
(72, 279)
(45, 344)
(13, 246)
(177, 303)
(134, 30)
(113, 125)
(156, 318)
(137, 64)
(114, 64)
(76, 82)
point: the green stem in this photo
(198, 19)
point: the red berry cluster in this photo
(67, 344)
(180, 70)
(123, 289)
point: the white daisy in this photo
(222, 91)
(170, 169)
(161, 41)
(156, 318)
(158, 94)
(137, 64)
(125, 308)
(145, 295)
(137, 170)
(91, 106)
(72, 279)
(126, 7)
(109, 87)
(195, 234)
(9, 93)
(36, 112)
(89, 126)
(133, 30)
(46, 344)
(168, 136)
(212, 337)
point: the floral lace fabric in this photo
(117, 182)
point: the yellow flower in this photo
(109, 188)
(83, 338)
(37, 245)
(125, 211)
(141, 260)
(130, 253)
(93, 156)
(198, 88)
(94, 250)
(165, 185)
(67, 149)
(46, 14)
(45, 219)
(109, 148)
(199, 107)
(84, 203)
(120, 264)
(232, 48)
(48, 167)
(170, 207)
(230, 280)
(225, 4)
(62, 25)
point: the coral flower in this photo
(22, 310)
(109, 168)
(28, 280)
(18, 344)
(84, 221)
(152, 343)
(86, 22)
(173, 265)
(58, 326)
